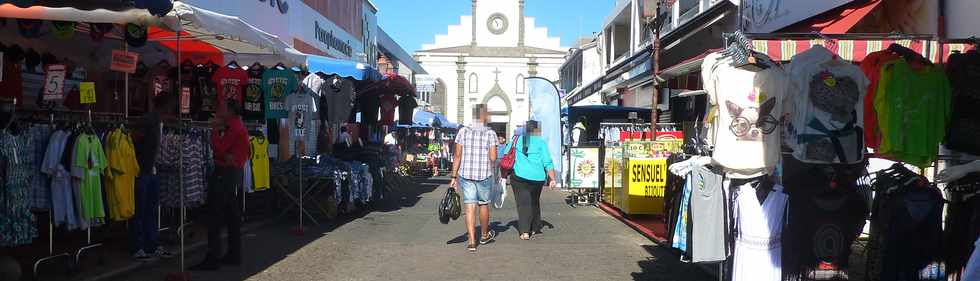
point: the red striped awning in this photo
(854, 50)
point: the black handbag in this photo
(449, 207)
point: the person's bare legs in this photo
(484, 220)
(471, 222)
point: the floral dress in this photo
(17, 223)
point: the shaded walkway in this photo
(403, 240)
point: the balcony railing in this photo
(687, 16)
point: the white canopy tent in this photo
(237, 39)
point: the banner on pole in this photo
(86, 92)
(54, 82)
(546, 109)
(124, 61)
(185, 100)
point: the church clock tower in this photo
(498, 23)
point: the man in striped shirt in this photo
(473, 164)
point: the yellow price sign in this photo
(647, 177)
(86, 92)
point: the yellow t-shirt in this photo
(120, 175)
(260, 162)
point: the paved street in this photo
(405, 241)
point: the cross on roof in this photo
(496, 75)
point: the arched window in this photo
(520, 84)
(474, 84)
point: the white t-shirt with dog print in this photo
(747, 109)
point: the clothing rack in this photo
(51, 255)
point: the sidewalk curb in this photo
(135, 265)
(646, 232)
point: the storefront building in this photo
(342, 29)
(580, 74)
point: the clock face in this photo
(497, 23)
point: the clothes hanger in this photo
(255, 65)
(763, 188)
(280, 66)
(233, 64)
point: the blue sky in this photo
(415, 22)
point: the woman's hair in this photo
(531, 126)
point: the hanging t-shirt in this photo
(277, 84)
(302, 112)
(747, 107)
(205, 94)
(338, 96)
(708, 210)
(11, 84)
(88, 163)
(388, 104)
(964, 126)
(871, 66)
(260, 162)
(913, 108)
(406, 107)
(254, 105)
(230, 83)
(368, 105)
(827, 111)
(160, 81)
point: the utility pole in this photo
(651, 12)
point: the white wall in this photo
(462, 34)
(444, 67)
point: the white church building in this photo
(486, 58)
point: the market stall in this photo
(811, 137)
(96, 76)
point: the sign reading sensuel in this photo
(647, 177)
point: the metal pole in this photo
(180, 166)
(126, 86)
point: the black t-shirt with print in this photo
(254, 99)
(205, 93)
(368, 105)
(406, 107)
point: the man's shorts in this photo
(476, 192)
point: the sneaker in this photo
(490, 236)
(142, 256)
(163, 253)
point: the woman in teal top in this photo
(532, 168)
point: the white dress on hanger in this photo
(758, 249)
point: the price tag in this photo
(54, 82)
(86, 92)
(185, 100)
(123, 61)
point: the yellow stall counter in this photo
(644, 185)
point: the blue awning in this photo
(425, 118)
(343, 68)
